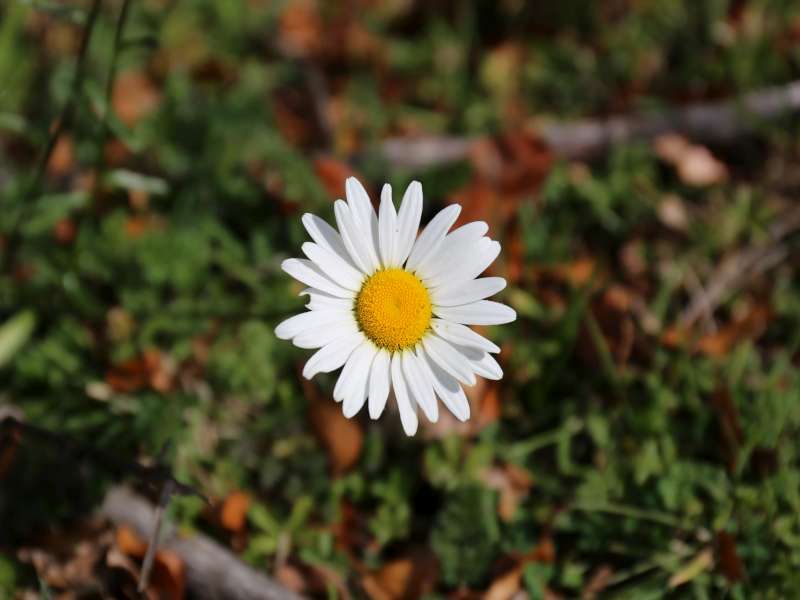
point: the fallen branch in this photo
(741, 267)
(212, 572)
(708, 122)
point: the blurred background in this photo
(639, 160)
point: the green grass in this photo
(641, 455)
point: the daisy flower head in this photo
(393, 308)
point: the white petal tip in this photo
(410, 431)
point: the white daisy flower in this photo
(393, 307)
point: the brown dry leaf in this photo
(300, 29)
(728, 561)
(343, 438)
(333, 173)
(233, 515)
(509, 170)
(750, 326)
(672, 212)
(134, 97)
(506, 586)
(576, 273)
(62, 160)
(64, 231)
(323, 578)
(730, 426)
(695, 164)
(139, 225)
(151, 369)
(292, 119)
(513, 483)
(116, 153)
(490, 407)
(613, 317)
(129, 542)
(67, 559)
(409, 577)
(545, 551)
(597, 582)
(168, 578)
(291, 577)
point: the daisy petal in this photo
(319, 300)
(379, 384)
(325, 235)
(467, 292)
(310, 274)
(446, 387)
(452, 249)
(420, 386)
(433, 235)
(355, 393)
(408, 222)
(355, 239)
(324, 334)
(312, 319)
(449, 359)
(483, 312)
(467, 259)
(359, 201)
(408, 414)
(334, 266)
(332, 356)
(482, 363)
(470, 268)
(387, 224)
(462, 335)
(362, 211)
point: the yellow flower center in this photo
(393, 309)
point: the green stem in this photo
(628, 511)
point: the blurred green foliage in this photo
(140, 292)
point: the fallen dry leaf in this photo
(291, 577)
(728, 561)
(513, 484)
(129, 542)
(233, 514)
(64, 231)
(168, 577)
(749, 326)
(342, 438)
(134, 97)
(597, 582)
(62, 160)
(729, 423)
(672, 212)
(409, 577)
(333, 173)
(300, 29)
(506, 586)
(152, 369)
(695, 164)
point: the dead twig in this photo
(163, 503)
(741, 267)
(212, 572)
(708, 122)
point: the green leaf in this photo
(14, 333)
